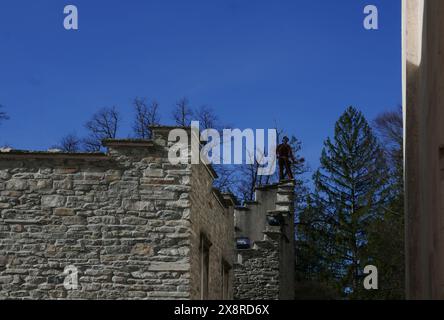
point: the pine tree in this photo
(350, 191)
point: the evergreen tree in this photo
(350, 192)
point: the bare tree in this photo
(207, 118)
(227, 178)
(228, 175)
(146, 116)
(3, 114)
(248, 174)
(70, 143)
(387, 234)
(249, 178)
(182, 113)
(389, 126)
(103, 125)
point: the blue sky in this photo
(299, 63)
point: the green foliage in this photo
(354, 216)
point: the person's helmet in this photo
(285, 139)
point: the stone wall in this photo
(123, 219)
(211, 216)
(132, 224)
(257, 272)
(266, 270)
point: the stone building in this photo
(423, 95)
(133, 226)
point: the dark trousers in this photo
(285, 163)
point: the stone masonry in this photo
(266, 270)
(128, 220)
(135, 226)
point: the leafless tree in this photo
(103, 125)
(389, 126)
(182, 113)
(249, 178)
(3, 114)
(70, 143)
(147, 115)
(228, 179)
(207, 118)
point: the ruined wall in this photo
(266, 271)
(128, 220)
(211, 215)
(257, 272)
(423, 30)
(122, 219)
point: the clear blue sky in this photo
(299, 63)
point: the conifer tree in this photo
(350, 192)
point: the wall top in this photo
(26, 154)
(124, 143)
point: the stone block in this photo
(53, 201)
(17, 185)
(153, 172)
(64, 212)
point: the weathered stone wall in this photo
(122, 219)
(211, 215)
(131, 223)
(266, 271)
(285, 198)
(117, 223)
(257, 272)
